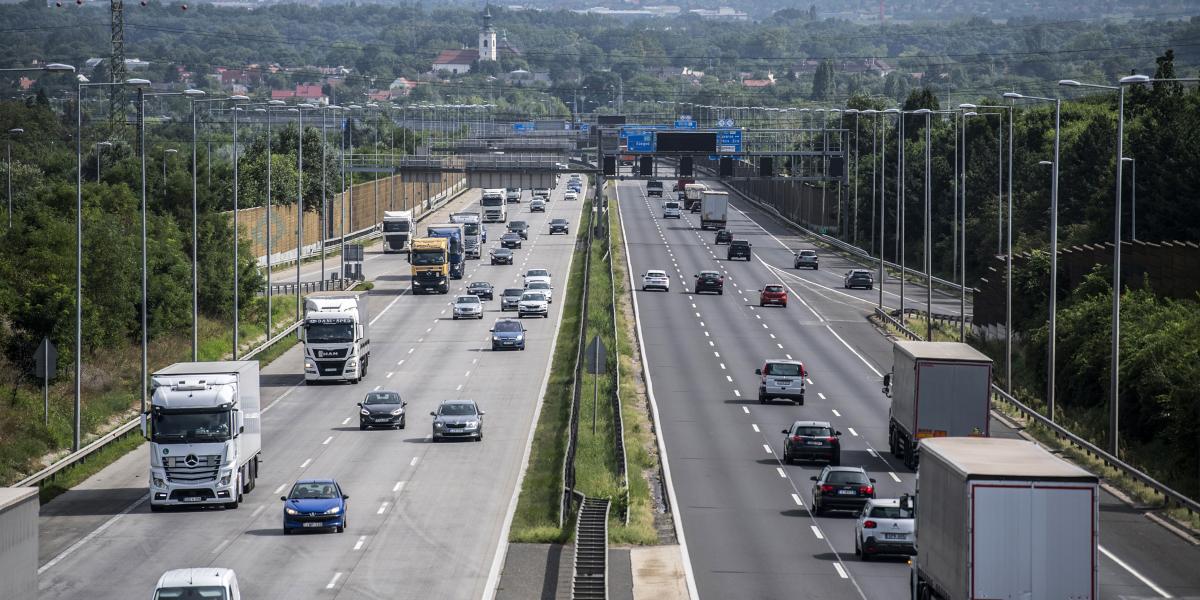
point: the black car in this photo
(510, 298)
(710, 281)
(858, 278)
(841, 488)
(814, 440)
(381, 408)
(511, 240)
(502, 256)
(724, 236)
(482, 289)
(738, 249)
(559, 226)
(520, 228)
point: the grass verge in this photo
(536, 517)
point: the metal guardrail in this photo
(622, 460)
(1172, 496)
(568, 468)
(289, 289)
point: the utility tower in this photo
(116, 64)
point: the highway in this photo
(744, 513)
(424, 520)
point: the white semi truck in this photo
(1003, 518)
(938, 389)
(494, 205)
(205, 432)
(337, 344)
(714, 210)
(397, 230)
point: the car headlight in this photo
(364, 412)
(472, 424)
(437, 424)
(398, 412)
(498, 339)
(333, 511)
(291, 511)
(520, 338)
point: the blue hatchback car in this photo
(508, 333)
(314, 504)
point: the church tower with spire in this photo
(487, 36)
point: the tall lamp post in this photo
(1132, 197)
(15, 131)
(1050, 371)
(300, 108)
(237, 234)
(79, 242)
(269, 105)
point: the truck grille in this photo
(330, 367)
(192, 469)
(428, 275)
(330, 353)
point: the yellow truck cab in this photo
(430, 260)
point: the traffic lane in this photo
(732, 496)
(741, 327)
(1166, 574)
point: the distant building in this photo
(305, 92)
(760, 83)
(721, 14)
(458, 62)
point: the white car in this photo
(541, 286)
(884, 527)
(468, 307)
(533, 303)
(655, 279)
(533, 275)
(570, 195)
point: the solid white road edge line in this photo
(1142, 578)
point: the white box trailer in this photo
(938, 389)
(19, 508)
(714, 210)
(1003, 519)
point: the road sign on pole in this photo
(597, 356)
(640, 141)
(729, 141)
(45, 364)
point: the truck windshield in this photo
(396, 226)
(191, 427)
(329, 333)
(429, 258)
(492, 201)
(471, 228)
(191, 593)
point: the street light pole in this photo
(236, 232)
(928, 233)
(1132, 197)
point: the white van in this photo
(198, 584)
(672, 210)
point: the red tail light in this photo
(826, 489)
(867, 489)
(869, 524)
(796, 438)
(831, 439)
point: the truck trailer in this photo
(1003, 518)
(336, 336)
(397, 230)
(472, 232)
(454, 234)
(205, 430)
(938, 389)
(714, 210)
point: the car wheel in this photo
(815, 267)
(157, 508)
(362, 427)
(287, 531)
(340, 528)
(818, 509)
(762, 304)
(720, 292)
(857, 548)
(403, 422)
(762, 399)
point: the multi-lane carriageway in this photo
(425, 520)
(745, 514)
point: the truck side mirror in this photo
(887, 380)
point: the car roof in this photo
(782, 361)
(207, 576)
(648, 271)
(315, 481)
(893, 502)
(808, 252)
(767, 285)
(831, 468)
(710, 272)
(471, 402)
(811, 424)
(740, 242)
(558, 220)
(860, 271)
(471, 297)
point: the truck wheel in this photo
(910, 458)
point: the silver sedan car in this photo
(457, 419)
(468, 307)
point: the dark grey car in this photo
(520, 228)
(381, 408)
(502, 256)
(858, 278)
(511, 298)
(457, 419)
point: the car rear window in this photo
(740, 243)
(811, 431)
(890, 512)
(846, 477)
(774, 288)
(808, 253)
(782, 370)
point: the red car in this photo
(773, 293)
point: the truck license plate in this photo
(191, 498)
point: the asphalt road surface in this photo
(425, 520)
(745, 514)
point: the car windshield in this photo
(860, 274)
(382, 398)
(517, 225)
(539, 285)
(458, 409)
(207, 592)
(480, 286)
(507, 327)
(191, 427)
(846, 477)
(890, 512)
(534, 297)
(514, 292)
(558, 222)
(782, 370)
(510, 236)
(812, 431)
(710, 274)
(468, 300)
(314, 490)
(502, 251)
(773, 288)
(537, 273)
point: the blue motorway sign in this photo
(626, 131)
(522, 127)
(685, 124)
(640, 141)
(729, 141)
(585, 127)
